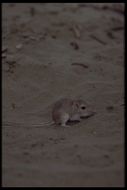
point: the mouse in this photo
(64, 110)
(67, 109)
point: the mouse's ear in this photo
(75, 104)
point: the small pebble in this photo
(4, 48)
(4, 55)
(109, 107)
(26, 153)
(94, 132)
(25, 35)
(53, 36)
(33, 145)
(19, 46)
(10, 59)
(13, 106)
(106, 155)
(74, 45)
(32, 38)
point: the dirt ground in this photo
(54, 50)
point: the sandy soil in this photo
(59, 50)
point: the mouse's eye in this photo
(83, 107)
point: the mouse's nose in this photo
(92, 113)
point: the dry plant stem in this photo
(80, 64)
(97, 39)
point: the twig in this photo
(105, 7)
(32, 11)
(76, 31)
(97, 39)
(117, 28)
(110, 35)
(80, 64)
